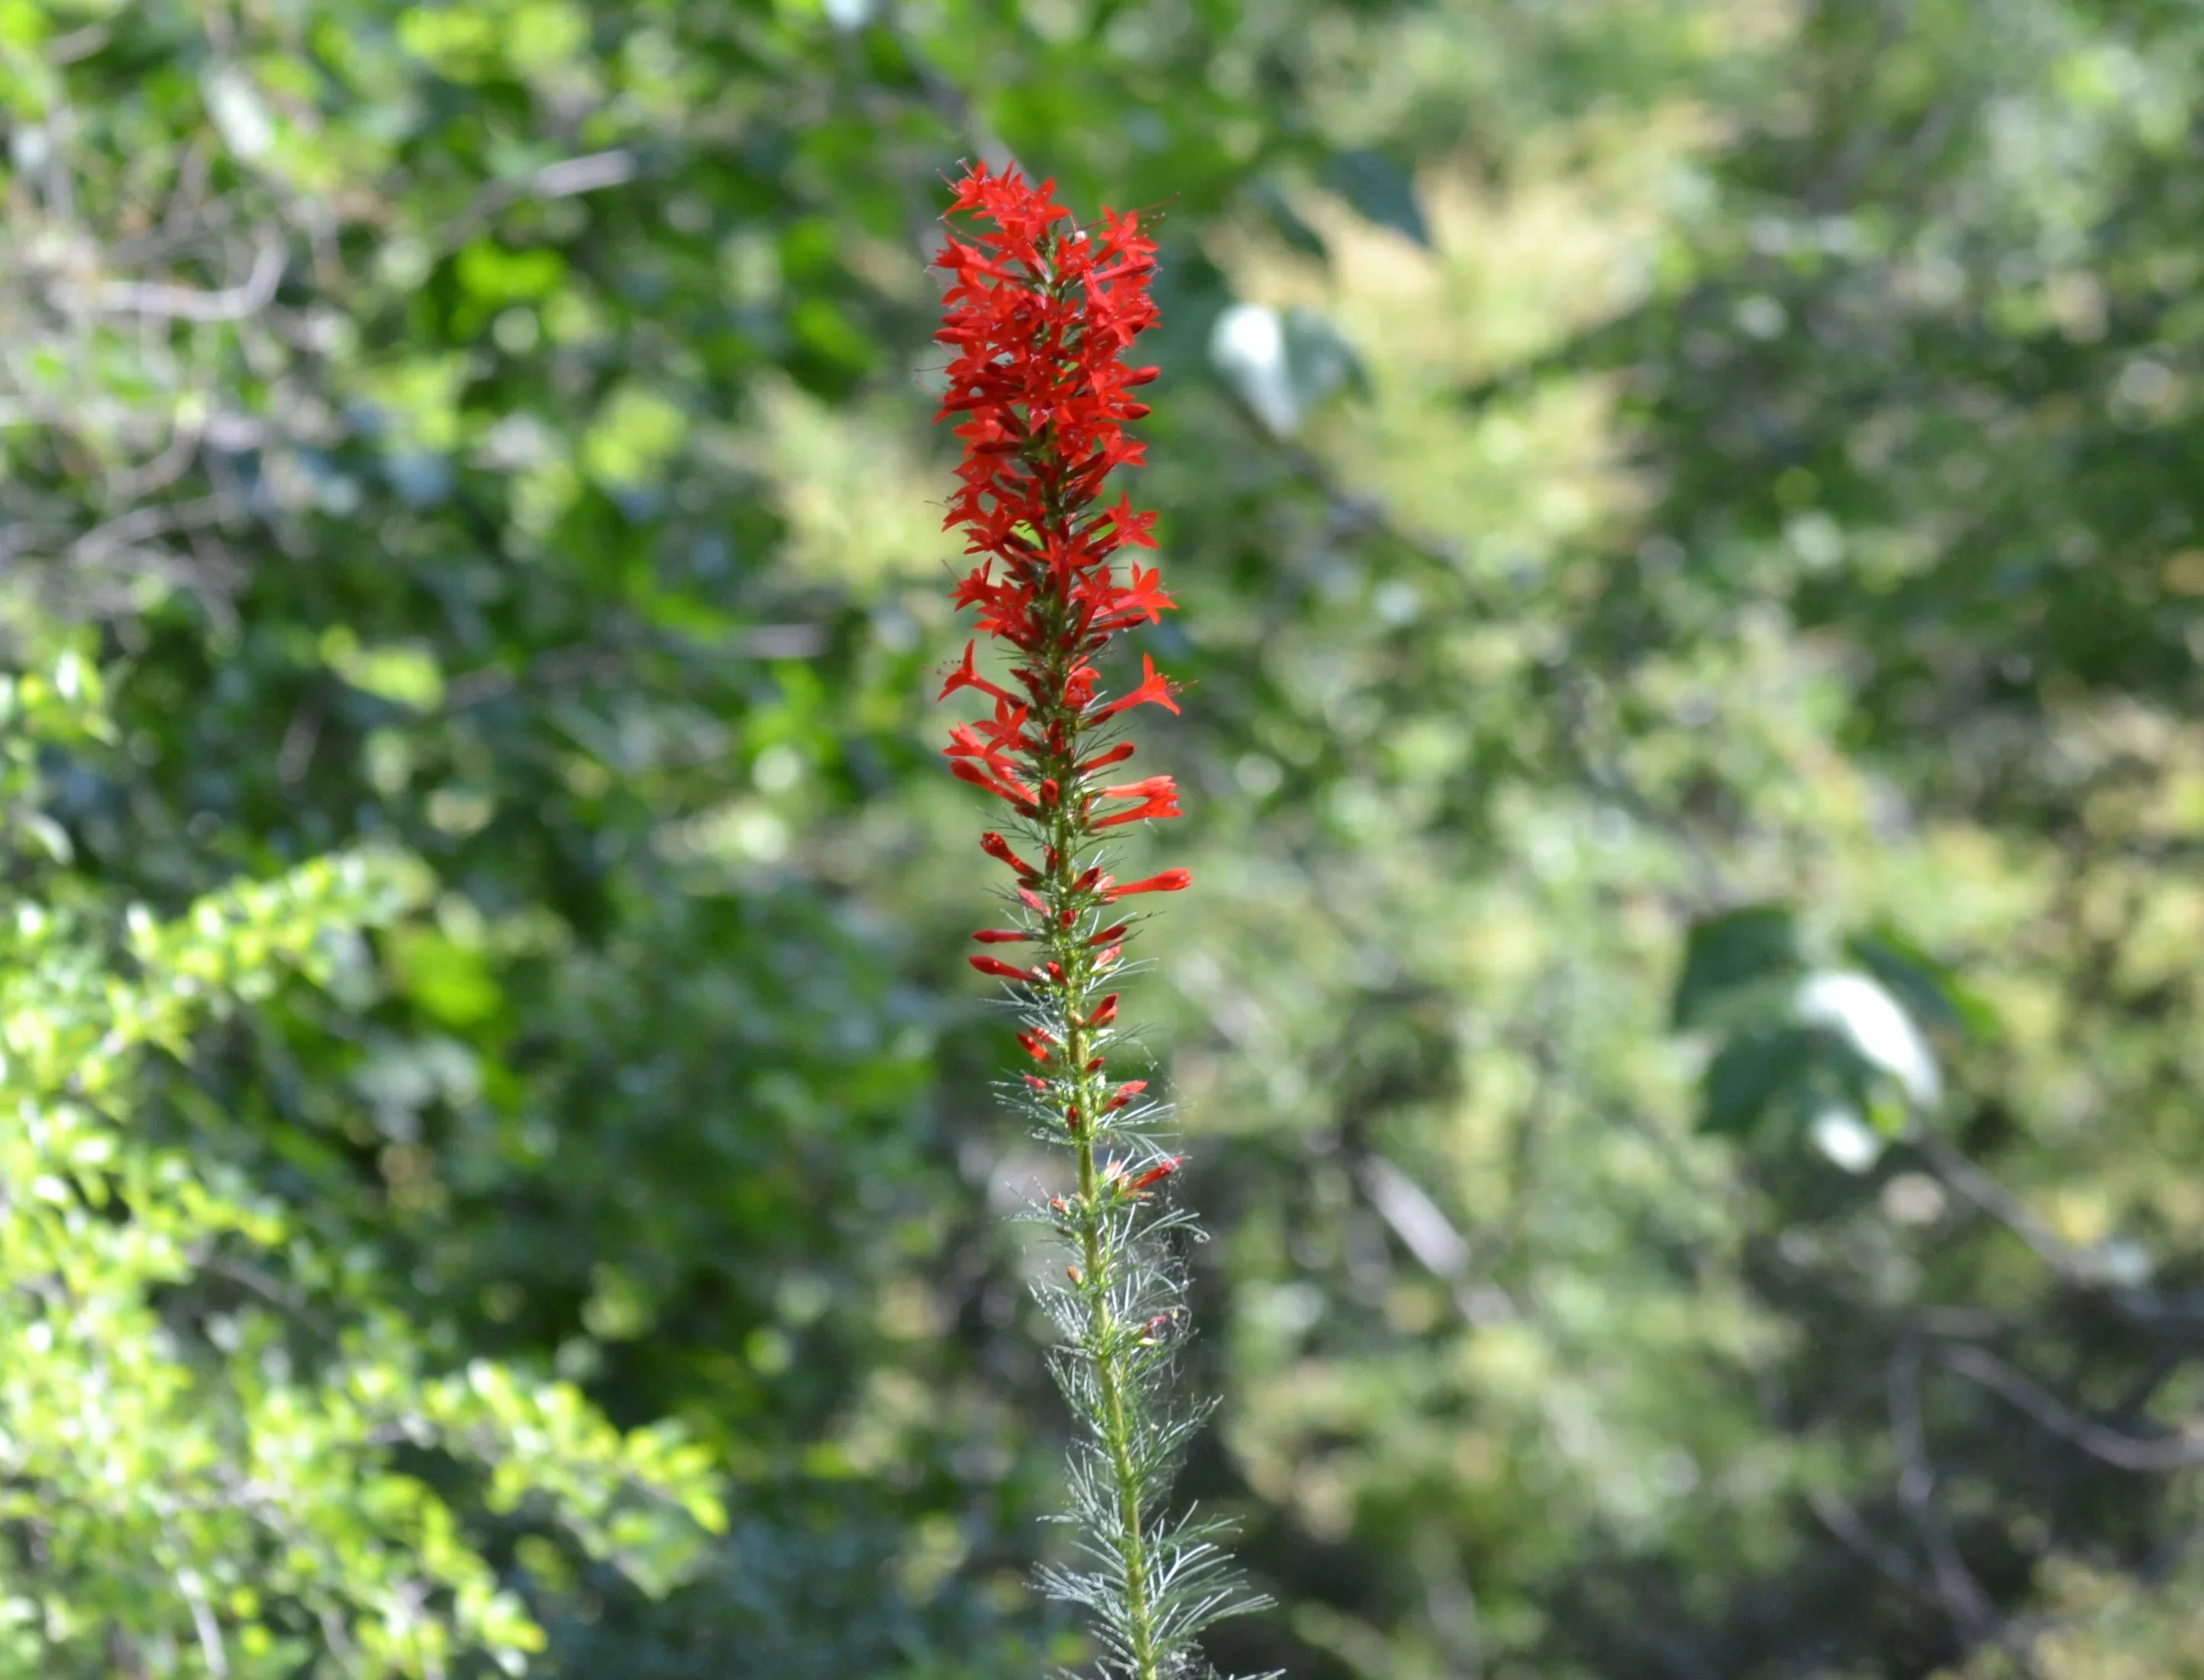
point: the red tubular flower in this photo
(1153, 691)
(1018, 797)
(964, 676)
(1171, 880)
(1158, 797)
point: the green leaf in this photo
(404, 674)
(452, 982)
(1288, 223)
(1382, 189)
(1931, 989)
(1737, 962)
(1754, 1076)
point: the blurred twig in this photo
(1426, 1232)
(1993, 1198)
(592, 172)
(2179, 1315)
(2127, 1452)
(1962, 1596)
(583, 662)
(183, 303)
(947, 96)
(1850, 1531)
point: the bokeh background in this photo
(1686, 514)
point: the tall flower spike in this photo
(1041, 314)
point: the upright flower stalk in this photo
(1040, 314)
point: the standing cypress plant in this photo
(1041, 314)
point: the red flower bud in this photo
(1171, 880)
(1000, 936)
(995, 846)
(1155, 1174)
(1003, 971)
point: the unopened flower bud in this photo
(1126, 1093)
(1155, 1174)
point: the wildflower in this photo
(1041, 316)
(1157, 796)
(1171, 880)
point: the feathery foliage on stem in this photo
(1041, 313)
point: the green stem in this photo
(1067, 948)
(1109, 1378)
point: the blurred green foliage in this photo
(1688, 523)
(208, 1470)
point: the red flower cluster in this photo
(1041, 313)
